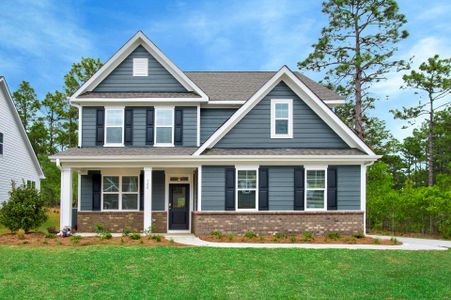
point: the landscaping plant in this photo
(24, 209)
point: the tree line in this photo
(355, 51)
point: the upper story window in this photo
(114, 126)
(164, 126)
(315, 194)
(246, 189)
(140, 67)
(281, 118)
(1, 143)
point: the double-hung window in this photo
(114, 126)
(246, 191)
(315, 193)
(120, 192)
(164, 126)
(281, 118)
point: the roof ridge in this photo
(230, 71)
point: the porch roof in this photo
(125, 151)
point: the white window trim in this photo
(120, 193)
(274, 135)
(109, 108)
(156, 108)
(315, 168)
(145, 71)
(246, 168)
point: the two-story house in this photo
(202, 151)
(18, 162)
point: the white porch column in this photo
(199, 188)
(147, 197)
(66, 198)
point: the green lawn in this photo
(115, 272)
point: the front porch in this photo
(138, 198)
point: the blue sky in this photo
(39, 40)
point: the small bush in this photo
(156, 238)
(75, 239)
(99, 228)
(217, 234)
(50, 235)
(350, 240)
(45, 242)
(106, 235)
(280, 236)
(250, 235)
(20, 234)
(171, 240)
(377, 241)
(24, 209)
(149, 230)
(230, 236)
(58, 242)
(308, 237)
(261, 237)
(333, 236)
(358, 235)
(126, 231)
(135, 236)
(293, 239)
(394, 240)
(52, 229)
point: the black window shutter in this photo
(100, 126)
(263, 190)
(1, 143)
(141, 191)
(230, 189)
(149, 125)
(128, 134)
(331, 188)
(178, 126)
(299, 189)
(96, 190)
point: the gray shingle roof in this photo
(126, 151)
(282, 151)
(137, 95)
(242, 85)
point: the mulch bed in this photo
(38, 239)
(298, 239)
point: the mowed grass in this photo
(123, 272)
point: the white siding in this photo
(16, 163)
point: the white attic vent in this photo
(140, 67)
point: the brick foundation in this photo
(116, 221)
(345, 222)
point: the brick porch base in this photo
(345, 222)
(116, 221)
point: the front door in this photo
(178, 206)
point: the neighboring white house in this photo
(18, 161)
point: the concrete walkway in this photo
(408, 244)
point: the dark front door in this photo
(179, 206)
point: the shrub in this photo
(250, 235)
(135, 236)
(358, 235)
(350, 240)
(156, 238)
(293, 239)
(20, 234)
(308, 236)
(24, 209)
(149, 230)
(171, 240)
(99, 228)
(230, 236)
(126, 231)
(280, 236)
(333, 236)
(106, 235)
(52, 229)
(50, 235)
(377, 241)
(394, 240)
(75, 239)
(217, 234)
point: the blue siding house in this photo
(203, 151)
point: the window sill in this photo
(163, 145)
(281, 136)
(113, 145)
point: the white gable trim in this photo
(19, 124)
(138, 39)
(318, 106)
